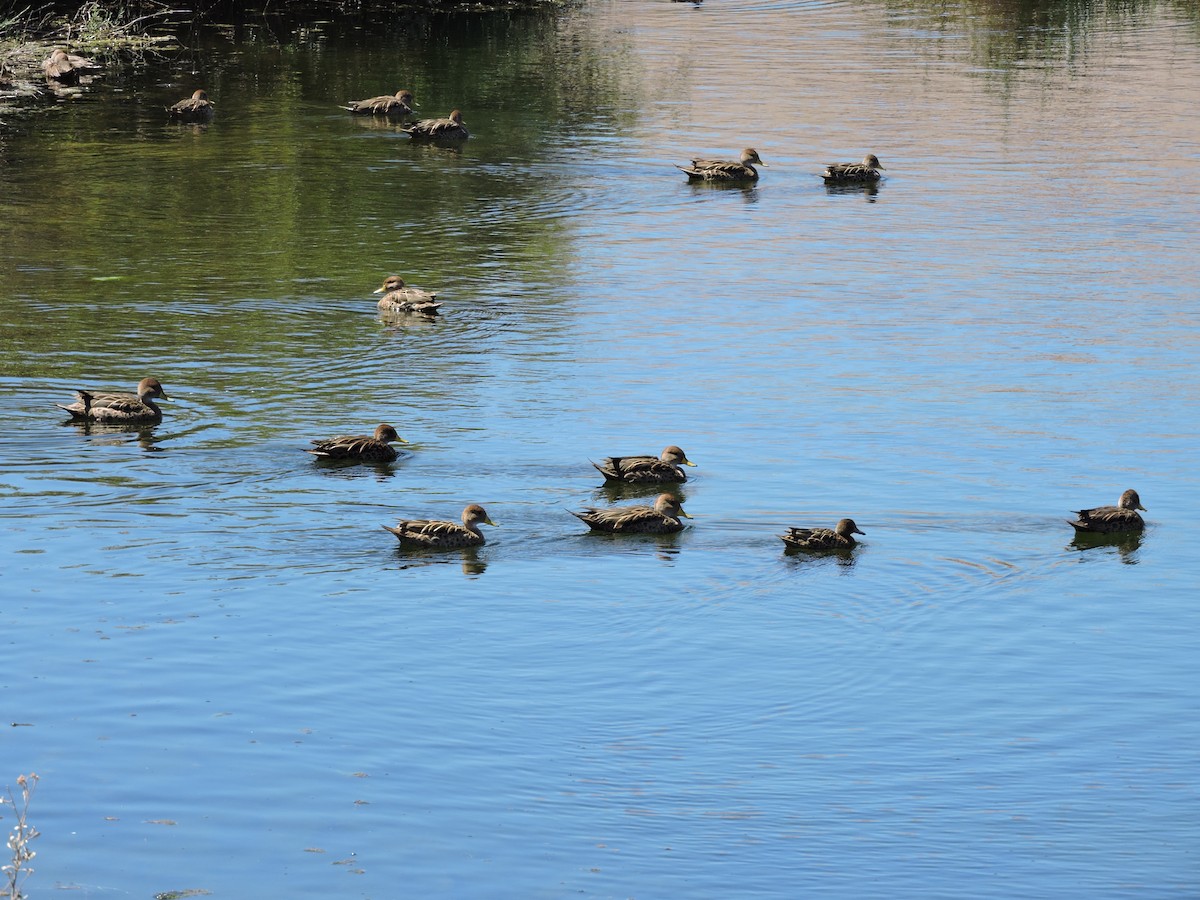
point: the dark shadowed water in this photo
(231, 680)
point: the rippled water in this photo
(229, 677)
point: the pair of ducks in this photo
(66, 68)
(743, 170)
(399, 106)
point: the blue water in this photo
(230, 679)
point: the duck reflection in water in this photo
(868, 190)
(1125, 544)
(115, 433)
(473, 565)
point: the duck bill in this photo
(684, 515)
(688, 462)
(378, 290)
(490, 522)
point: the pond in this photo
(231, 679)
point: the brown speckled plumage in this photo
(376, 448)
(850, 173)
(662, 469)
(1112, 519)
(423, 534)
(449, 129)
(399, 297)
(840, 537)
(119, 407)
(196, 108)
(397, 105)
(67, 67)
(724, 170)
(661, 518)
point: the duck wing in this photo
(353, 446)
(1107, 520)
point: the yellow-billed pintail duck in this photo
(663, 469)
(376, 448)
(724, 170)
(119, 407)
(449, 129)
(661, 518)
(422, 534)
(840, 537)
(196, 108)
(853, 173)
(67, 67)
(399, 105)
(1112, 519)
(398, 297)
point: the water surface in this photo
(230, 679)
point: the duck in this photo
(399, 104)
(196, 108)
(840, 537)
(398, 297)
(850, 173)
(1112, 519)
(449, 129)
(422, 534)
(661, 518)
(119, 407)
(662, 469)
(67, 67)
(724, 170)
(360, 447)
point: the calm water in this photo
(231, 680)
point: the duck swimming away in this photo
(448, 129)
(196, 108)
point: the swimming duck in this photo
(724, 170)
(1112, 519)
(663, 469)
(67, 67)
(840, 537)
(422, 534)
(661, 518)
(399, 104)
(448, 129)
(400, 298)
(119, 407)
(359, 446)
(848, 173)
(196, 108)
